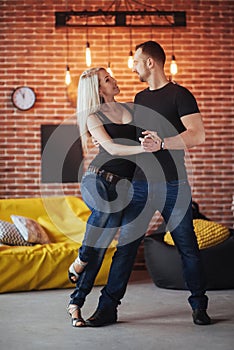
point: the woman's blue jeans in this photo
(107, 202)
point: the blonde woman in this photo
(105, 186)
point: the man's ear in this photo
(150, 62)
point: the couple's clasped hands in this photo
(151, 142)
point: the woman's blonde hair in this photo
(88, 101)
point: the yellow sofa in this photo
(44, 266)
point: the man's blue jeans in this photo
(174, 202)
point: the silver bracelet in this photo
(162, 145)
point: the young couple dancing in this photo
(139, 169)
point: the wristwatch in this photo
(162, 145)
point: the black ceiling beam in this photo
(62, 18)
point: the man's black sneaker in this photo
(102, 317)
(200, 317)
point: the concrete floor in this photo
(149, 319)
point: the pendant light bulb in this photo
(173, 66)
(109, 69)
(88, 55)
(130, 60)
(67, 76)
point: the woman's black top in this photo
(123, 166)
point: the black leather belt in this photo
(110, 177)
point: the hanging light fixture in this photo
(67, 76)
(120, 18)
(88, 55)
(130, 60)
(67, 72)
(130, 57)
(109, 64)
(87, 50)
(109, 69)
(173, 65)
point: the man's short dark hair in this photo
(154, 50)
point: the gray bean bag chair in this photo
(164, 263)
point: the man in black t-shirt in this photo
(170, 124)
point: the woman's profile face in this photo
(108, 87)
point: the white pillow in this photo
(10, 235)
(30, 229)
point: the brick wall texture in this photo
(33, 53)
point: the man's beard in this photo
(143, 78)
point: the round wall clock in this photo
(23, 98)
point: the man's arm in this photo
(194, 135)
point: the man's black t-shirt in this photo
(161, 110)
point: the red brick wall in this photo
(33, 53)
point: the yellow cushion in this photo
(65, 218)
(208, 233)
(79, 208)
